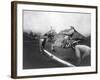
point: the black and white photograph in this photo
(54, 39)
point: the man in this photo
(73, 41)
(67, 38)
(44, 42)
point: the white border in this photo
(31, 72)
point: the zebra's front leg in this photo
(52, 48)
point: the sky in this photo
(41, 21)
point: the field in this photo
(34, 58)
